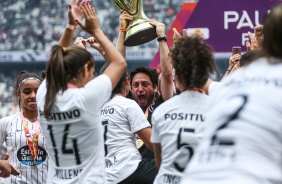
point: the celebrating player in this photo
(178, 123)
(243, 142)
(70, 102)
(122, 118)
(22, 133)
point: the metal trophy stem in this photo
(139, 31)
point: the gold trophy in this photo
(139, 31)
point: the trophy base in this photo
(140, 31)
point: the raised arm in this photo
(117, 62)
(74, 12)
(96, 45)
(166, 84)
(124, 19)
(233, 64)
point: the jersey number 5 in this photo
(182, 144)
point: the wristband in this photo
(122, 30)
(103, 53)
(71, 27)
(258, 37)
(162, 38)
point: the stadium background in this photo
(29, 28)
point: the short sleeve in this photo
(136, 117)
(98, 91)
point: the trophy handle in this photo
(121, 7)
(139, 30)
(139, 14)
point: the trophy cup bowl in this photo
(139, 31)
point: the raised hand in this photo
(234, 60)
(80, 42)
(253, 45)
(160, 27)
(75, 11)
(124, 19)
(94, 44)
(258, 30)
(176, 34)
(91, 24)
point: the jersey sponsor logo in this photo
(67, 174)
(184, 116)
(170, 179)
(107, 111)
(25, 157)
(63, 115)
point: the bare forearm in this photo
(166, 68)
(112, 53)
(120, 44)
(66, 38)
(158, 154)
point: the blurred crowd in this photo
(37, 24)
(7, 104)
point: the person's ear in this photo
(156, 89)
(126, 82)
(85, 70)
(18, 94)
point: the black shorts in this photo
(144, 174)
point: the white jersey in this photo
(12, 133)
(243, 142)
(121, 118)
(178, 126)
(75, 134)
(213, 87)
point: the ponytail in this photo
(64, 65)
(55, 77)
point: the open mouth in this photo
(142, 99)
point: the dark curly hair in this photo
(152, 73)
(193, 61)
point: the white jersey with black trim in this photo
(121, 118)
(74, 132)
(243, 142)
(12, 133)
(178, 126)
